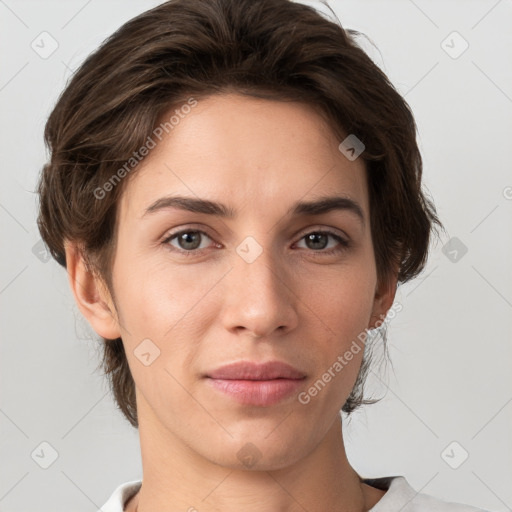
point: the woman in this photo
(235, 191)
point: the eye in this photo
(192, 241)
(187, 240)
(319, 240)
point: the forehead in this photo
(257, 153)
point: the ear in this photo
(383, 300)
(91, 294)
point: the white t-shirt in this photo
(400, 496)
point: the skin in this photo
(295, 303)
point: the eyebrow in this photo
(315, 207)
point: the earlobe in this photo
(91, 295)
(383, 300)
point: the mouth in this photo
(256, 384)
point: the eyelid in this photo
(324, 229)
(311, 229)
(185, 229)
(344, 243)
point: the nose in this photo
(259, 297)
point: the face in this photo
(264, 276)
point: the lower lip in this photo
(257, 392)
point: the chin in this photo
(257, 452)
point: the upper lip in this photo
(248, 370)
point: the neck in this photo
(178, 479)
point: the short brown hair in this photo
(275, 49)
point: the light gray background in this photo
(450, 346)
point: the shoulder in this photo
(120, 496)
(401, 496)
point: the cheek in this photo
(171, 307)
(342, 298)
(344, 308)
(164, 319)
(342, 302)
(156, 296)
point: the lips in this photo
(256, 384)
(247, 370)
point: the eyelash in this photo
(344, 244)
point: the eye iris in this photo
(189, 240)
(318, 240)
